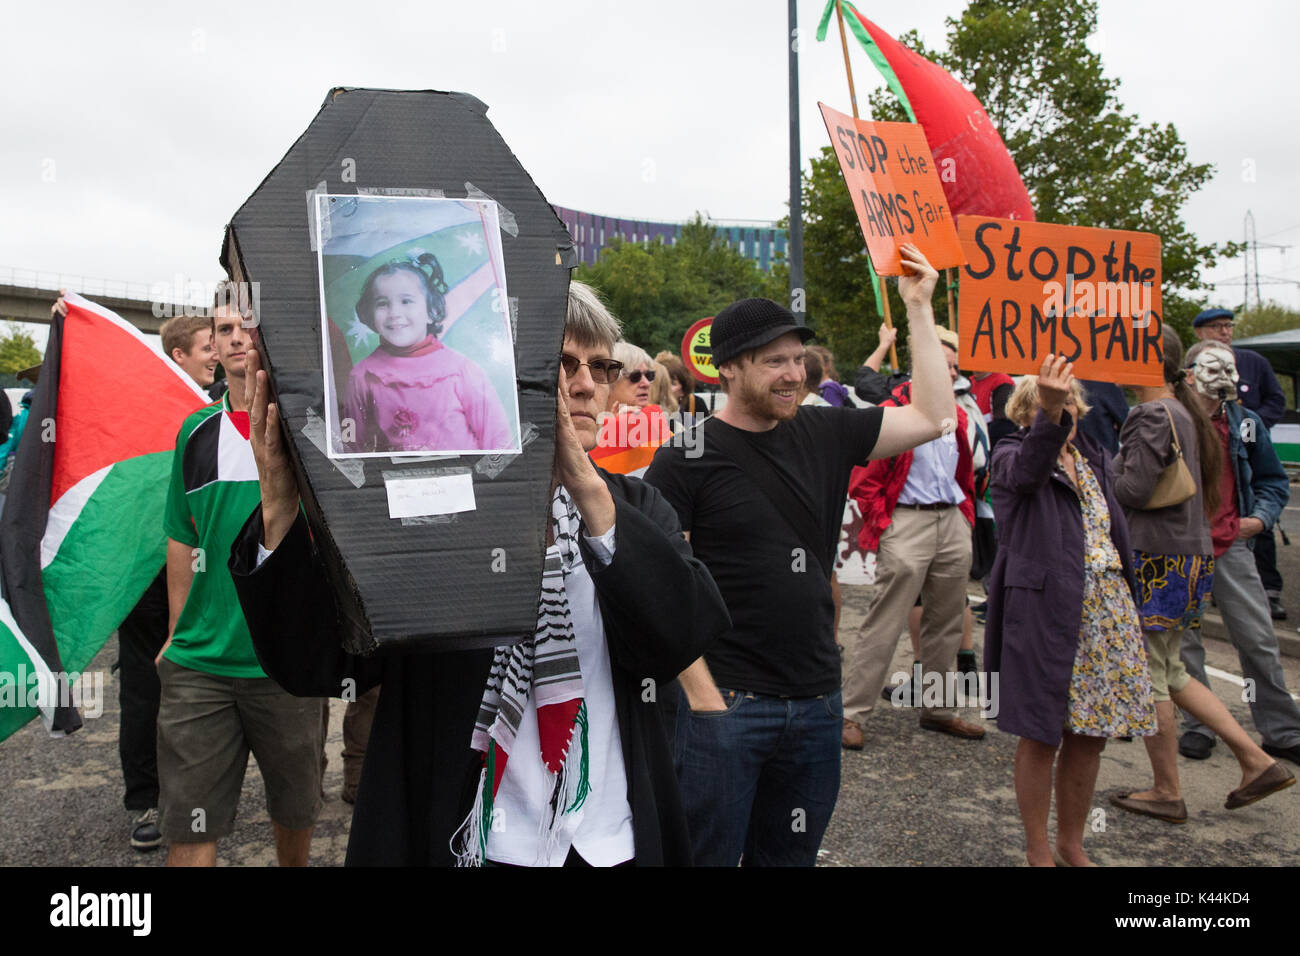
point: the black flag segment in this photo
(470, 579)
(23, 526)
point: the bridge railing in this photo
(85, 285)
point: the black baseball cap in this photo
(751, 324)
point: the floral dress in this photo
(1110, 688)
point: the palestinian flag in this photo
(628, 439)
(81, 535)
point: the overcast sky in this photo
(129, 134)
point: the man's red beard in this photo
(760, 402)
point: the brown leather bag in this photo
(1176, 483)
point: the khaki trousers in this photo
(356, 736)
(921, 552)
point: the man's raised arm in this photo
(932, 410)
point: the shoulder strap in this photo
(789, 505)
(982, 441)
(1173, 428)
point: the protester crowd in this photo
(687, 694)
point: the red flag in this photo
(978, 174)
(628, 439)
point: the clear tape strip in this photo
(353, 469)
(509, 225)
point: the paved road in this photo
(917, 798)
(911, 798)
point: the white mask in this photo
(1215, 372)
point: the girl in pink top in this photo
(413, 393)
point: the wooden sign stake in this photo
(853, 99)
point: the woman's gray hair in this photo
(588, 322)
(632, 356)
(1190, 358)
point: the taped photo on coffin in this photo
(418, 354)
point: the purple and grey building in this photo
(761, 241)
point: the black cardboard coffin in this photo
(468, 580)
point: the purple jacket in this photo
(834, 393)
(1036, 589)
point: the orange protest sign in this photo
(1030, 289)
(895, 189)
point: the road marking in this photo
(1233, 678)
(1224, 675)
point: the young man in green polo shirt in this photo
(217, 703)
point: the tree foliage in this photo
(659, 290)
(1271, 317)
(17, 349)
(1084, 159)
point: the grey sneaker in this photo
(145, 835)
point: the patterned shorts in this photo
(1174, 589)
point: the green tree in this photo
(659, 290)
(1083, 158)
(1271, 317)
(17, 349)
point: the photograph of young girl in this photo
(418, 353)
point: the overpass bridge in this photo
(27, 294)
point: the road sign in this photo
(697, 351)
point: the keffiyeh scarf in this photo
(544, 667)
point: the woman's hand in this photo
(1055, 380)
(274, 474)
(574, 469)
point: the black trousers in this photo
(1266, 563)
(139, 640)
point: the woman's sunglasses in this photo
(603, 371)
(635, 377)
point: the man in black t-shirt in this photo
(757, 744)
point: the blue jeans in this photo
(759, 778)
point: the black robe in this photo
(660, 608)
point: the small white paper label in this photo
(441, 495)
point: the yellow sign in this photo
(697, 351)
